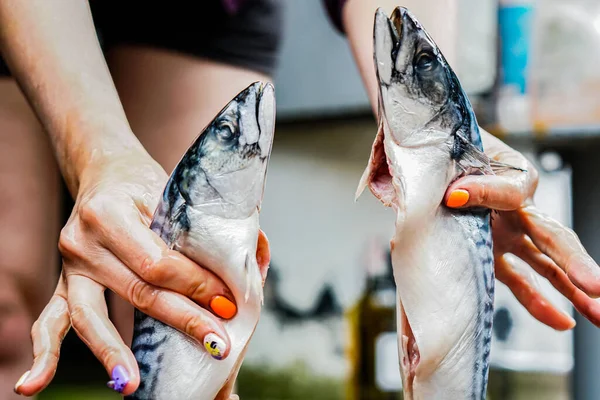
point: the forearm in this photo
(53, 52)
(438, 16)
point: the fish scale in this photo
(482, 255)
(150, 336)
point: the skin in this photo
(107, 243)
(30, 219)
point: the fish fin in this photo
(171, 231)
(362, 184)
(263, 255)
(369, 171)
(499, 167)
(253, 278)
(475, 161)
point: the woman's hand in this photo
(107, 243)
(519, 228)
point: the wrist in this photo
(84, 146)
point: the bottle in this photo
(373, 350)
(515, 23)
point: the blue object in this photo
(515, 22)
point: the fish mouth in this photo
(265, 116)
(378, 174)
(380, 182)
(396, 18)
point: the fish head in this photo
(413, 76)
(224, 172)
(424, 116)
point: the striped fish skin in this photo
(442, 258)
(210, 213)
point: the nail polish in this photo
(223, 307)
(457, 198)
(21, 380)
(120, 379)
(214, 345)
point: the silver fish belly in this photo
(442, 258)
(210, 213)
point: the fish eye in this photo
(225, 131)
(426, 62)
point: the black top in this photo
(244, 33)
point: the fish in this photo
(209, 212)
(428, 137)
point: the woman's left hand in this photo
(519, 228)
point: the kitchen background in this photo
(327, 331)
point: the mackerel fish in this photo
(443, 263)
(210, 213)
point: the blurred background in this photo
(532, 72)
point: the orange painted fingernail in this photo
(458, 198)
(223, 307)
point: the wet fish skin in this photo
(210, 213)
(442, 258)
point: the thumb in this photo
(503, 193)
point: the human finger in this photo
(89, 317)
(174, 310)
(146, 254)
(562, 245)
(47, 334)
(178, 273)
(515, 182)
(547, 268)
(171, 308)
(530, 297)
(490, 191)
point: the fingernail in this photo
(223, 307)
(120, 379)
(214, 345)
(458, 198)
(21, 381)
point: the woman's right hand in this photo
(107, 244)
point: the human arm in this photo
(52, 50)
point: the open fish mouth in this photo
(380, 181)
(265, 116)
(378, 175)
